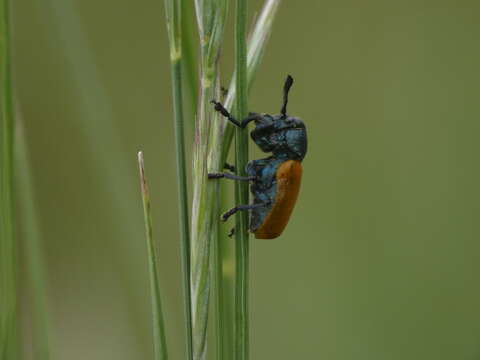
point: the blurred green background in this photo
(380, 260)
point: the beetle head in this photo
(283, 135)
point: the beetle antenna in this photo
(286, 89)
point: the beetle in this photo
(275, 180)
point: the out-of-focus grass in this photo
(32, 249)
(8, 288)
(97, 124)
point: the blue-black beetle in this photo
(275, 179)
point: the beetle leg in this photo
(227, 166)
(230, 176)
(237, 208)
(251, 117)
(221, 109)
(231, 233)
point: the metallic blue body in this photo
(286, 138)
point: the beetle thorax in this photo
(285, 137)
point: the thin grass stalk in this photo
(33, 253)
(203, 230)
(183, 202)
(173, 10)
(8, 311)
(225, 280)
(222, 332)
(159, 341)
(221, 138)
(211, 15)
(217, 275)
(189, 55)
(241, 188)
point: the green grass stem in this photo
(218, 291)
(159, 341)
(225, 278)
(32, 249)
(8, 311)
(173, 13)
(211, 16)
(241, 188)
(189, 56)
(182, 199)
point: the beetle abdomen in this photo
(289, 178)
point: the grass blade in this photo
(211, 16)
(8, 311)
(173, 13)
(224, 285)
(33, 252)
(189, 55)
(160, 345)
(182, 199)
(241, 188)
